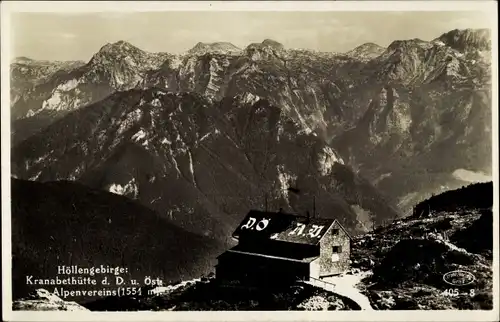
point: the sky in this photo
(75, 36)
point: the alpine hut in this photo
(278, 246)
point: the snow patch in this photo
(249, 98)
(130, 119)
(129, 189)
(382, 177)
(36, 176)
(471, 176)
(191, 168)
(156, 102)
(30, 113)
(41, 158)
(205, 136)
(176, 165)
(53, 102)
(280, 131)
(68, 86)
(326, 160)
(139, 135)
(56, 101)
(284, 180)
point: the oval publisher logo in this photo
(459, 278)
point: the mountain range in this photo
(204, 136)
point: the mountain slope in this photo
(410, 256)
(202, 164)
(66, 223)
(405, 117)
(116, 66)
(468, 39)
(430, 107)
(398, 266)
(26, 73)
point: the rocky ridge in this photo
(403, 116)
(199, 163)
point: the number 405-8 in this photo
(455, 292)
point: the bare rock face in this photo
(396, 115)
(215, 47)
(366, 51)
(200, 137)
(187, 158)
(43, 300)
(468, 39)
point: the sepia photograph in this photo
(226, 157)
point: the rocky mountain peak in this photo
(410, 44)
(467, 39)
(21, 60)
(267, 49)
(122, 64)
(214, 47)
(366, 51)
(121, 44)
(370, 46)
(272, 43)
(416, 60)
(116, 50)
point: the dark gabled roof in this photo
(342, 227)
(283, 227)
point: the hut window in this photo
(336, 253)
(335, 231)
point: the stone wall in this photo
(328, 266)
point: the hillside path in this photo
(344, 285)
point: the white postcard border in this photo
(68, 7)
